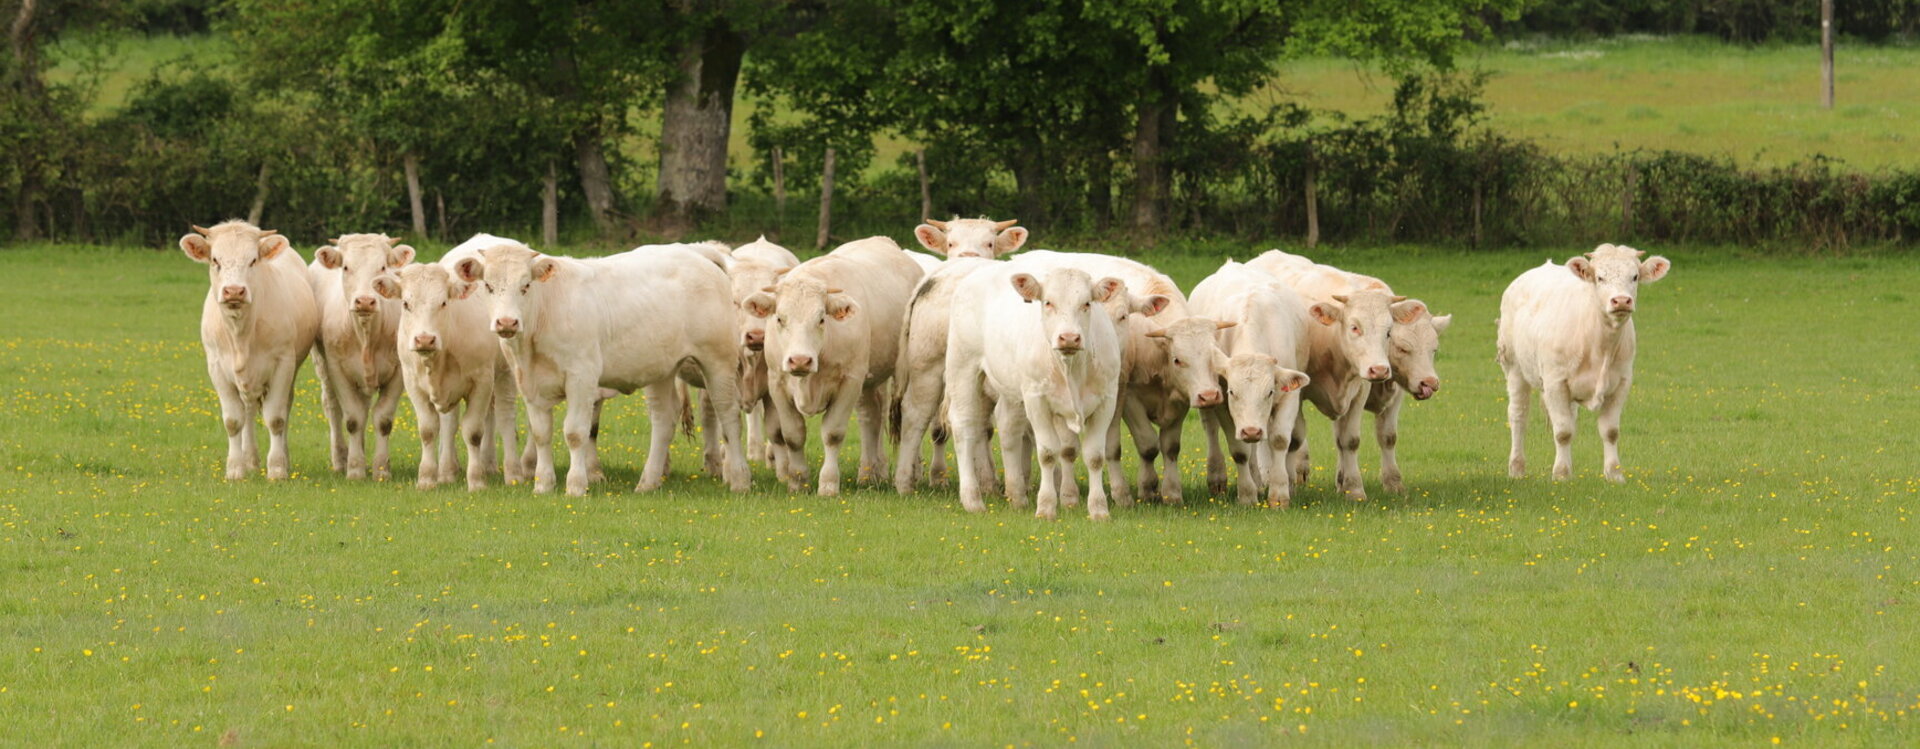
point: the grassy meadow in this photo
(1753, 582)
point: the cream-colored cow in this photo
(358, 364)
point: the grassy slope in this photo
(1751, 580)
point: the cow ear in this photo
(386, 286)
(329, 257)
(1408, 311)
(1289, 380)
(196, 247)
(1325, 314)
(271, 245)
(1104, 288)
(544, 268)
(469, 269)
(1654, 268)
(841, 306)
(399, 256)
(1154, 304)
(1581, 268)
(1009, 241)
(758, 304)
(931, 238)
(461, 289)
(1220, 361)
(1027, 286)
(1441, 322)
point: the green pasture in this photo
(1754, 581)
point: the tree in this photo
(37, 120)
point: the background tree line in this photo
(605, 120)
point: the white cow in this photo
(1028, 337)
(358, 362)
(1264, 352)
(920, 373)
(1349, 353)
(836, 325)
(257, 324)
(1411, 348)
(634, 320)
(971, 237)
(1567, 332)
(450, 358)
(750, 268)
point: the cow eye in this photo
(781, 319)
(1636, 278)
(1086, 305)
(255, 261)
(488, 285)
(407, 306)
(1269, 393)
(1179, 362)
(443, 302)
(525, 286)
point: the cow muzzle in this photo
(365, 305)
(1067, 343)
(1207, 398)
(233, 295)
(1378, 372)
(799, 365)
(1425, 389)
(1620, 305)
(754, 340)
(1252, 434)
(426, 343)
(506, 327)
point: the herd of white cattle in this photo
(1050, 351)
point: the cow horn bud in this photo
(1224, 324)
(264, 233)
(393, 241)
(834, 291)
(1002, 225)
(333, 240)
(768, 289)
(198, 229)
(1341, 298)
(937, 224)
(1156, 333)
(1399, 299)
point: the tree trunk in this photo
(926, 188)
(1826, 53)
(1030, 178)
(1313, 206)
(779, 191)
(259, 209)
(550, 208)
(1100, 190)
(440, 212)
(411, 162)
(1152, 174)
(826, 201)
(26, 81)
(596, 181)
(695, 124)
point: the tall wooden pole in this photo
(1826, 53)
(826, 201)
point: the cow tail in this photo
(686, 407)
(902, 361)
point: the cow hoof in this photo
(1516, 468)
(543, 487)
(476, 485)
(1616, 476)
(829, 490)
(1099, 516)
(357, 474)
(1393, 486)
(1249, 498)
(1217, 487)
(648, 484)
(1562, 473)
(1044, 515)
(382, 474)
(425, 483)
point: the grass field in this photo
(1754, 580)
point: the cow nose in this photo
(1427, 388)
(800, 364)
(1207, 398)
(1067, 342)
(506, 326)
(365, 304)
(425, 342)
(233, 293)
(1623, 303)
(755, 340)
(1379, 372)
(1251, 434)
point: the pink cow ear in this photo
(1154, 304)
(271, 245)
(196, 247)
(1010, 240)
(470, 270)
(1441, 322)
(1581, 268)
(759, 304)
(544, 268)
(386, 286)
(1654, 268)
(1408, 311)
(329, 257)
(1105, 288)
(841, 306)
(399, 256)
(1027, 286)
(462, 289)
(1289, 380)
(931, 238)
(1323, 313)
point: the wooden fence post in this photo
(779, 192)
(550, 208)
(259, 208)
(1313, 206)
(826, 201)
(926, 189)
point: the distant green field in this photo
(1753, 581)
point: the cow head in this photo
(1361, 321)
(1411, 346)
(1256, 385)
(1615, 273)
(748, 278)
(511, 274)
(802, 309)
(1193, 363)
(1066, 304)
(361, 258)
(231, 252)
(425, 293)
(971, 237)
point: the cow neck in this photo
(1606, 344)
(364, 327)
(238, 325)
(1065, 369)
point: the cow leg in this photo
(1146, 441)
(330, 407)
(1283, 431)
(723, 391)
(1046, 437)
(1386, 432)
(663, 413)
(594, 472)
(540, 440)
(937, 469)
(1298, 462)
(988, 476)
(919, 406)
(1346, 438)
(790, 451)
(354, 407)
(1068, 482)
(712, 453)
(1116, 479)
(277, 410)
(1170, 488)
(383, 410)
(1562, 414)
(1016, 450)
(1519, 404)
(430, 425)
(967, 413)
(1216, 429)
(833, 433)
(873, 439)
(1093, 436)
(512, 469)
(1609, 418)
(1245, 465)
(449, 438)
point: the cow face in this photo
(231, 252)
(749, 278)
(1066, 302)
(1411, 346)
(1256, 385)
(426, 293)
(802, 309)
(1615, 273)
(1361, 321)
(971, 237)
(1193, 364)
(510, 274)
(361, 258)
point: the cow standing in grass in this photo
(751, 267)
(257, 324)
(1567, 332)
(358, 361)
(1264, 352)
